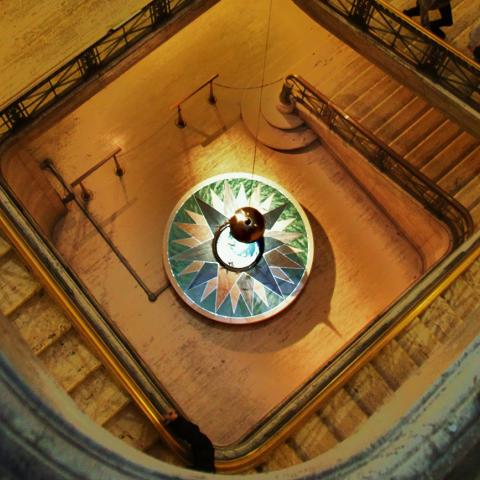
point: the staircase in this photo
(415, 130)
(65, 355)
(451, 158)
(420, 133)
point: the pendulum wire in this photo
(261, 89)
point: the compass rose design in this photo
(270, 277)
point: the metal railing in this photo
(81, 68)
(438, 202)
(435, 58)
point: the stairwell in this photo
(417, 131)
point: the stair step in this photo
(387, 108)
(314, 438)
(17, 285)
(433, 144)
(99, 397)
(462, 298)
(418, 341)
(418, 131)
(472, 275)
(331, 85)
(450, 156)
(463, 173)
(267, 134)
(160, 451)
(440, 319)
(357, 86)
(40, 322)
(5, 247)
(407, 115)
(364, 104)
(469, 195)
(132, 426)
(368, 389)
(342, 415)
(271, 113)
(388, 361)
(284, 456)
(69, 360)
(475, 213)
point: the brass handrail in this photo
(437, 201)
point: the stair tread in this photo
(443, 135)
(342, 415)
(465, 171)
(40, 322)
(394, 364)
(161, 452)
(387, 108)
(329, 85)
(418, 131)
(283, 457)
(368, 389)
(314, 438)
(462, 298)
(5, 247)
(357, 86)
(472, 275)
(404, 117)
(449, 156)
(132, 426)
(17, 285)
(99, 397)
(417, 340)
(440, 319)
(475, 213)
(69, 360)
(363, 104)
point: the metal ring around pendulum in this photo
(261, 248)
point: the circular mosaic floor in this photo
(231, 281)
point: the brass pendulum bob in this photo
(247, 225)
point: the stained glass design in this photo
(228, 296)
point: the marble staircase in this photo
(69, 360)
(420, 133)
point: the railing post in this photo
(286, 94)
(159, 11)
(361, 12)
(180, 122)
(212, 100)
(433, 59)
(287, 102)
(86, 195)
(88, 62)
(15, 116)
(119, 171)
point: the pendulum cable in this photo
(261, 90)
